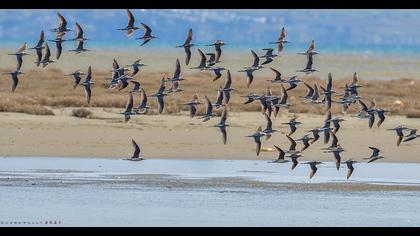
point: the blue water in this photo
(83, 192)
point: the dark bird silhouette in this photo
(147, 36)
(187, 46)
(136, 154)
(222, 125)
(130, 28)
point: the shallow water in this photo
(110, 192)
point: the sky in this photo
(369, 31)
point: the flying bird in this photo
(79, 48)
(257, 139)
(313, 164)
(218, 48)
(136, 154)
(281, 40)
(222, 125)
(76, 76)
(19, 55)
(227, 88)
(268, 55)
(375, 155)
(58, 45)
(160, 95)
(130, 28)
(39, 46)
(209, 110)
(87, 83)
(187, 46)
(62, 27)
(46, 60)
(203, 61)
(136, 67)
(412, 135)
(292, 124)
(349, 167)
(15, 79)
(269, 128)
(143, 107)
(400, 134)
(79, 36)
(280, 158)
(305, 140)
(193, 105)
(308, 68)
(128, 108)
(147, 34)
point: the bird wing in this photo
(334, 141)
(130, 19)
(47, 52)
(292, 143)
(219, 98)
(329, 82)
(278, 74)
(228, 82)
(364, 107)
(41, 39)
(371, 120)
(89, 74)
(309, 89)
(39, 56)
(209, 106)
(63, 22)
(177, 72)
(269, 122)
(15, 81)
(136, 147)
(218, 49)
(59, 49)
(309, 63)
(282, 34)
(189, 37)
(19, 62)
(267, 60)
(281, 152)
(224, 135)
(249, 79)
(161, 104)
(381, 116)
(79, 31)
(143, 97)
(147, 29)
(258, 144)
(136, 85)
(188, 55)
(203, 58)
(256, 59)
(218, 75)
(88, 93)
(129, 105)
(375, 151)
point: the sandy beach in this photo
(179, 136)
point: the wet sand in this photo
(178, 136)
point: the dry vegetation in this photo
(40, 89)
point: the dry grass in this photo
(40, 88)
(81, 113)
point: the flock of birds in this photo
(270, 104)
